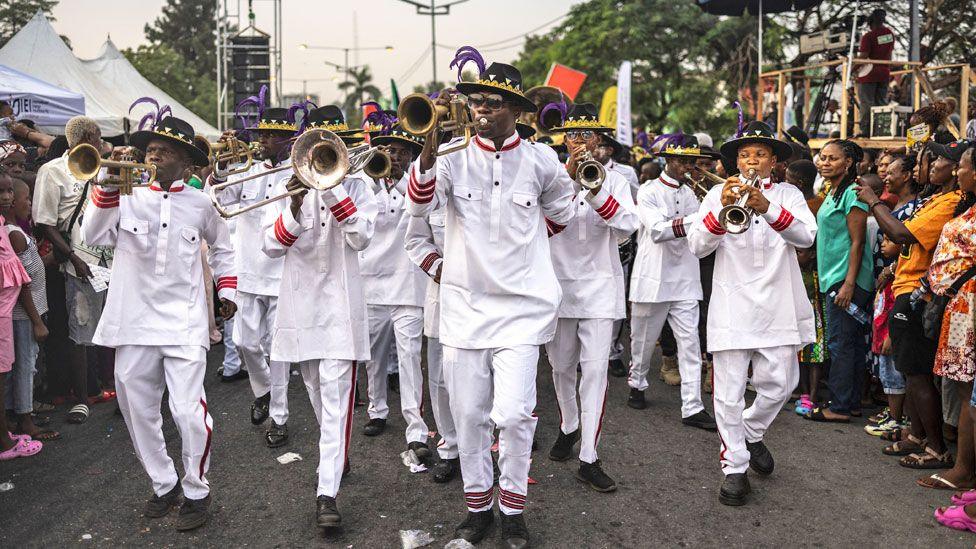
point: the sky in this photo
(495, 26)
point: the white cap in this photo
(704, 140)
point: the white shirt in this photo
(665, 269)
(629, 175)
(157, 294)
(758, 299)
(321, 304)
(256, 272)
(424, 243)
(390, 278)
(498, 286)
(585, 254)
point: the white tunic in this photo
(424, 244)
(390, 278)
(157, 294)
(321, 305)
(256, 272)
(498, 286)
(629, 174)
(585, 254)
(758, 298)
(665, 269)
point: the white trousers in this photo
(331, 385)
(585, 342)
(404, 326)
(232, 360)
(646, 322)
(775, 372)
(255, 319)
(440, 401)
(142, 373)
(493, 387)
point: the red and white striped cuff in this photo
(511, 499)
(678, 227)
(478, 500)
(553, 228)
(227, 283)
(609, 208)
(430, 263)
(104, 198)
(782, 221)
(711, 223)
(344, 209)
(282, 234)
(420, 193)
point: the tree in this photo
(187, 26)
(165, 68)
(359, 88)
(14, 14)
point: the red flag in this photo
(368, 108)
(566, 79)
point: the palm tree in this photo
(359, 88)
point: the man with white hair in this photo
(59, 201)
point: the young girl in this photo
(29, 327)
(12, 277)
(892, 382)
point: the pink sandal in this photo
(955, 517)
(15, 438)
(22, 448)
(967, 498)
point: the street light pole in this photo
(433, 10)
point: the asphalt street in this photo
(831, 488)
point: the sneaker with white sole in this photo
(886, 427)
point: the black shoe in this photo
(241, 374)
(420, 449)
(476, 526)
(374, 427)
(260, 409)
(277, 435)
(393, 382)
(563, 448)
(514, 532)
(760, 459)
(446, 470)
(636, 399)
(617, 368)
(326, 512)
(159, 506)
(700, 420)
(193, 514)
(734, 490)
(592, 474)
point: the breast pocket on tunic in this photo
(526, 211)
(189, 244)
(467, 202)
(134, 234)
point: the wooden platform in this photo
(865, 143)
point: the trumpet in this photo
(228, 150)
(84, 163)
(419, 115)
(590, 174)
(320, 160)
(377, 165)
(735, 218)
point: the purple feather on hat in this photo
(676, 139)
(465, 54)
(561, 107)
(643, 141)
(379, 117)
(151, 119)
(738, 131)
(257, 101)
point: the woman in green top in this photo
(844, 266)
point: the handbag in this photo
(935, 308)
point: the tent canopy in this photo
(50, 107)
(109, 83)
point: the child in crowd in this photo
(891, 382)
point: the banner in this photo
(394, 95)
(625, 134)
(566, 79)
(608, 107)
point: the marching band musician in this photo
(395, 291)
(156, 311)
(666, 284)
(759, 313)
(608, 150)
(259, 276)
(587, 264)
(321, 321)
(499, 293)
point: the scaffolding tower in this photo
(241, 52)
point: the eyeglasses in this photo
(494, 101)
(582, 134)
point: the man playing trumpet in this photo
(759, 311)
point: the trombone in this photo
(228, 150)
(696, 184)
(84, 163)
(320, 160)
(419, 115)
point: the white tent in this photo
(112, 66)
(48, 106)
(109, 88)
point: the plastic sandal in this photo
(967, 498)
(22, 448)
(78, 414)
(15, 438)
(955, 517)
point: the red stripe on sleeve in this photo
(609, 208)
(282, 234)
(712, 225)
(343, 209)
(105, 199)
(227, 282)
(783, 221)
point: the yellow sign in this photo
(608, 109)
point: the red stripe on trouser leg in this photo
(206, 447)
(721, 454)
(352, 401)
(603, 411)
(478, 500)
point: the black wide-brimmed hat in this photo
(174, 130)
(399, 135)
(275, 119)
(680, 145)
(505, 80)
(525, 131)
(607, 139)
(583, 116)
(756, 132)
(710, 152)
(330, 118)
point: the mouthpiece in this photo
(483, 122)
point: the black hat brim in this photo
(141, 140)
(525, 131)
(388, 139)
(564, 129)
(689, 156)
(467, 88)
(781, 149)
